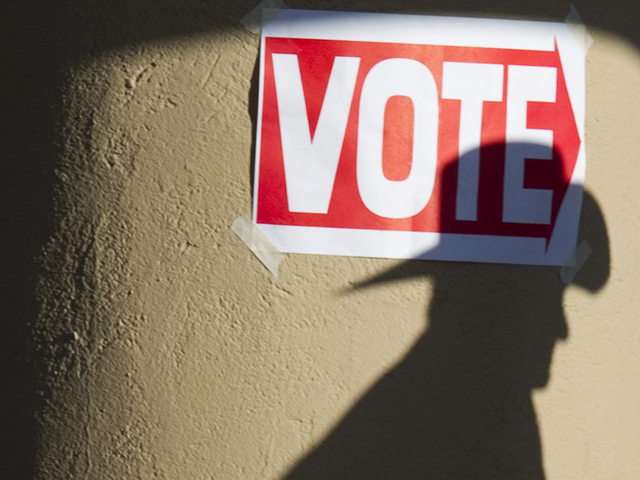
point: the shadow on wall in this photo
(459, 405)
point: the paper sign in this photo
(420, 137)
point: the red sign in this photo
(447, 140)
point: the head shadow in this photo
(459, 404)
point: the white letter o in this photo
(408, 197)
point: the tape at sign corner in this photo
(262, 14)
(579, 29)
(575, 262)
(258, 243)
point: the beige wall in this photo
(164, 349)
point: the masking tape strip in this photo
(258, 243)
(579, 30)
(575, 262)
(262, 14)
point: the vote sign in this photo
(420, 137)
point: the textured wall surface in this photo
(141, 338)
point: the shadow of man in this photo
(459, 405)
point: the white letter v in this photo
(310, 166)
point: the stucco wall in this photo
(159, 346)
